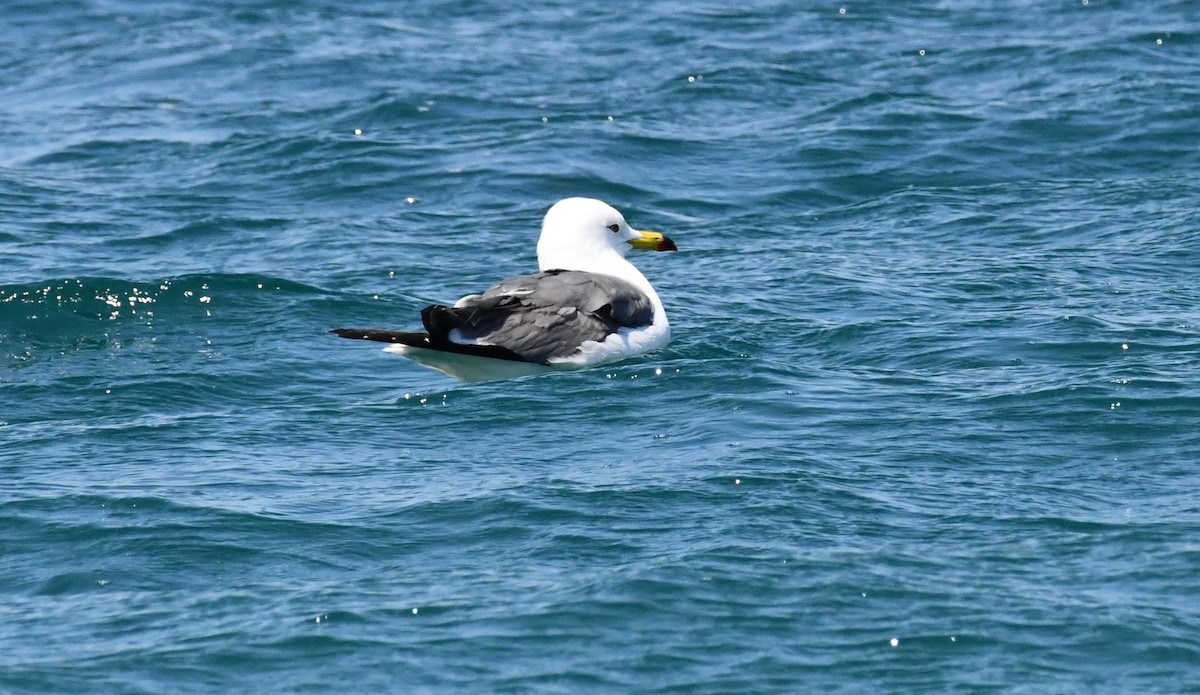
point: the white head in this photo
(587, 234)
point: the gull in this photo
(587, 305)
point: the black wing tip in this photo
(353, 333)
(382, 336)
(422, 340)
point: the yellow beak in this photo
(652, 241)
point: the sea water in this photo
(928, 422)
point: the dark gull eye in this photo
(615, 228)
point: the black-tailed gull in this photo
(586, 306)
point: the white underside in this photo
(626, 342)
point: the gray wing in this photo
(542, 316)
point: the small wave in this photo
(74, 314)
(113, 298)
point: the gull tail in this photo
(410, 338)
(463, 362)
(424, 341)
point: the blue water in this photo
(928, 423)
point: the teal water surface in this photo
(928, 422)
